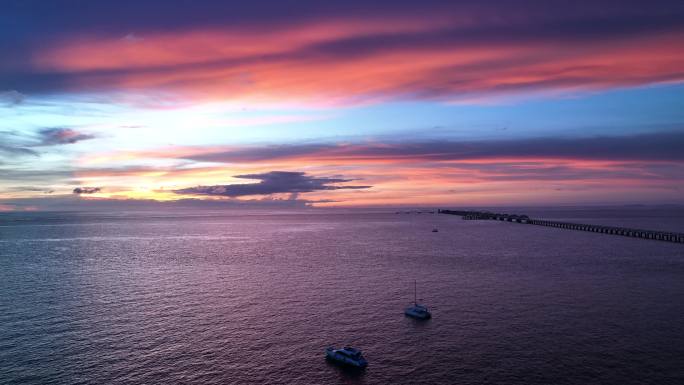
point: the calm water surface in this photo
(253, 298)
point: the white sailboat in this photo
(417, 311)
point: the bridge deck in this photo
(667, 236)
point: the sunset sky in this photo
(340, 103)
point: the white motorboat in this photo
(417, 311)
(346, 356)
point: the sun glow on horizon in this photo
(451, 104)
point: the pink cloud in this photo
(344, 61)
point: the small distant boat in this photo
(417, 311)
(435, 230)
(346, 356)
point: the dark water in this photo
(238, 298)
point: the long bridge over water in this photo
(667, 236)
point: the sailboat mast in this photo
(415, 292)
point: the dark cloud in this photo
(11, 97)
(57, 136)
(10, 150)
(86, 190)
(661, 146)
(13, 144)
(272, 183)
(136, 18)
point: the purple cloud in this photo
(272, 183)
(566, 40)
(86, 190)
(56, 136)
(658, 146)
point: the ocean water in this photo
(249, 297)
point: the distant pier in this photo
(524, 219)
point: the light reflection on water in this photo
(256, 298)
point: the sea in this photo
(255, 297)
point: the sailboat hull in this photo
(417, 313)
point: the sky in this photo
(108, 104)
